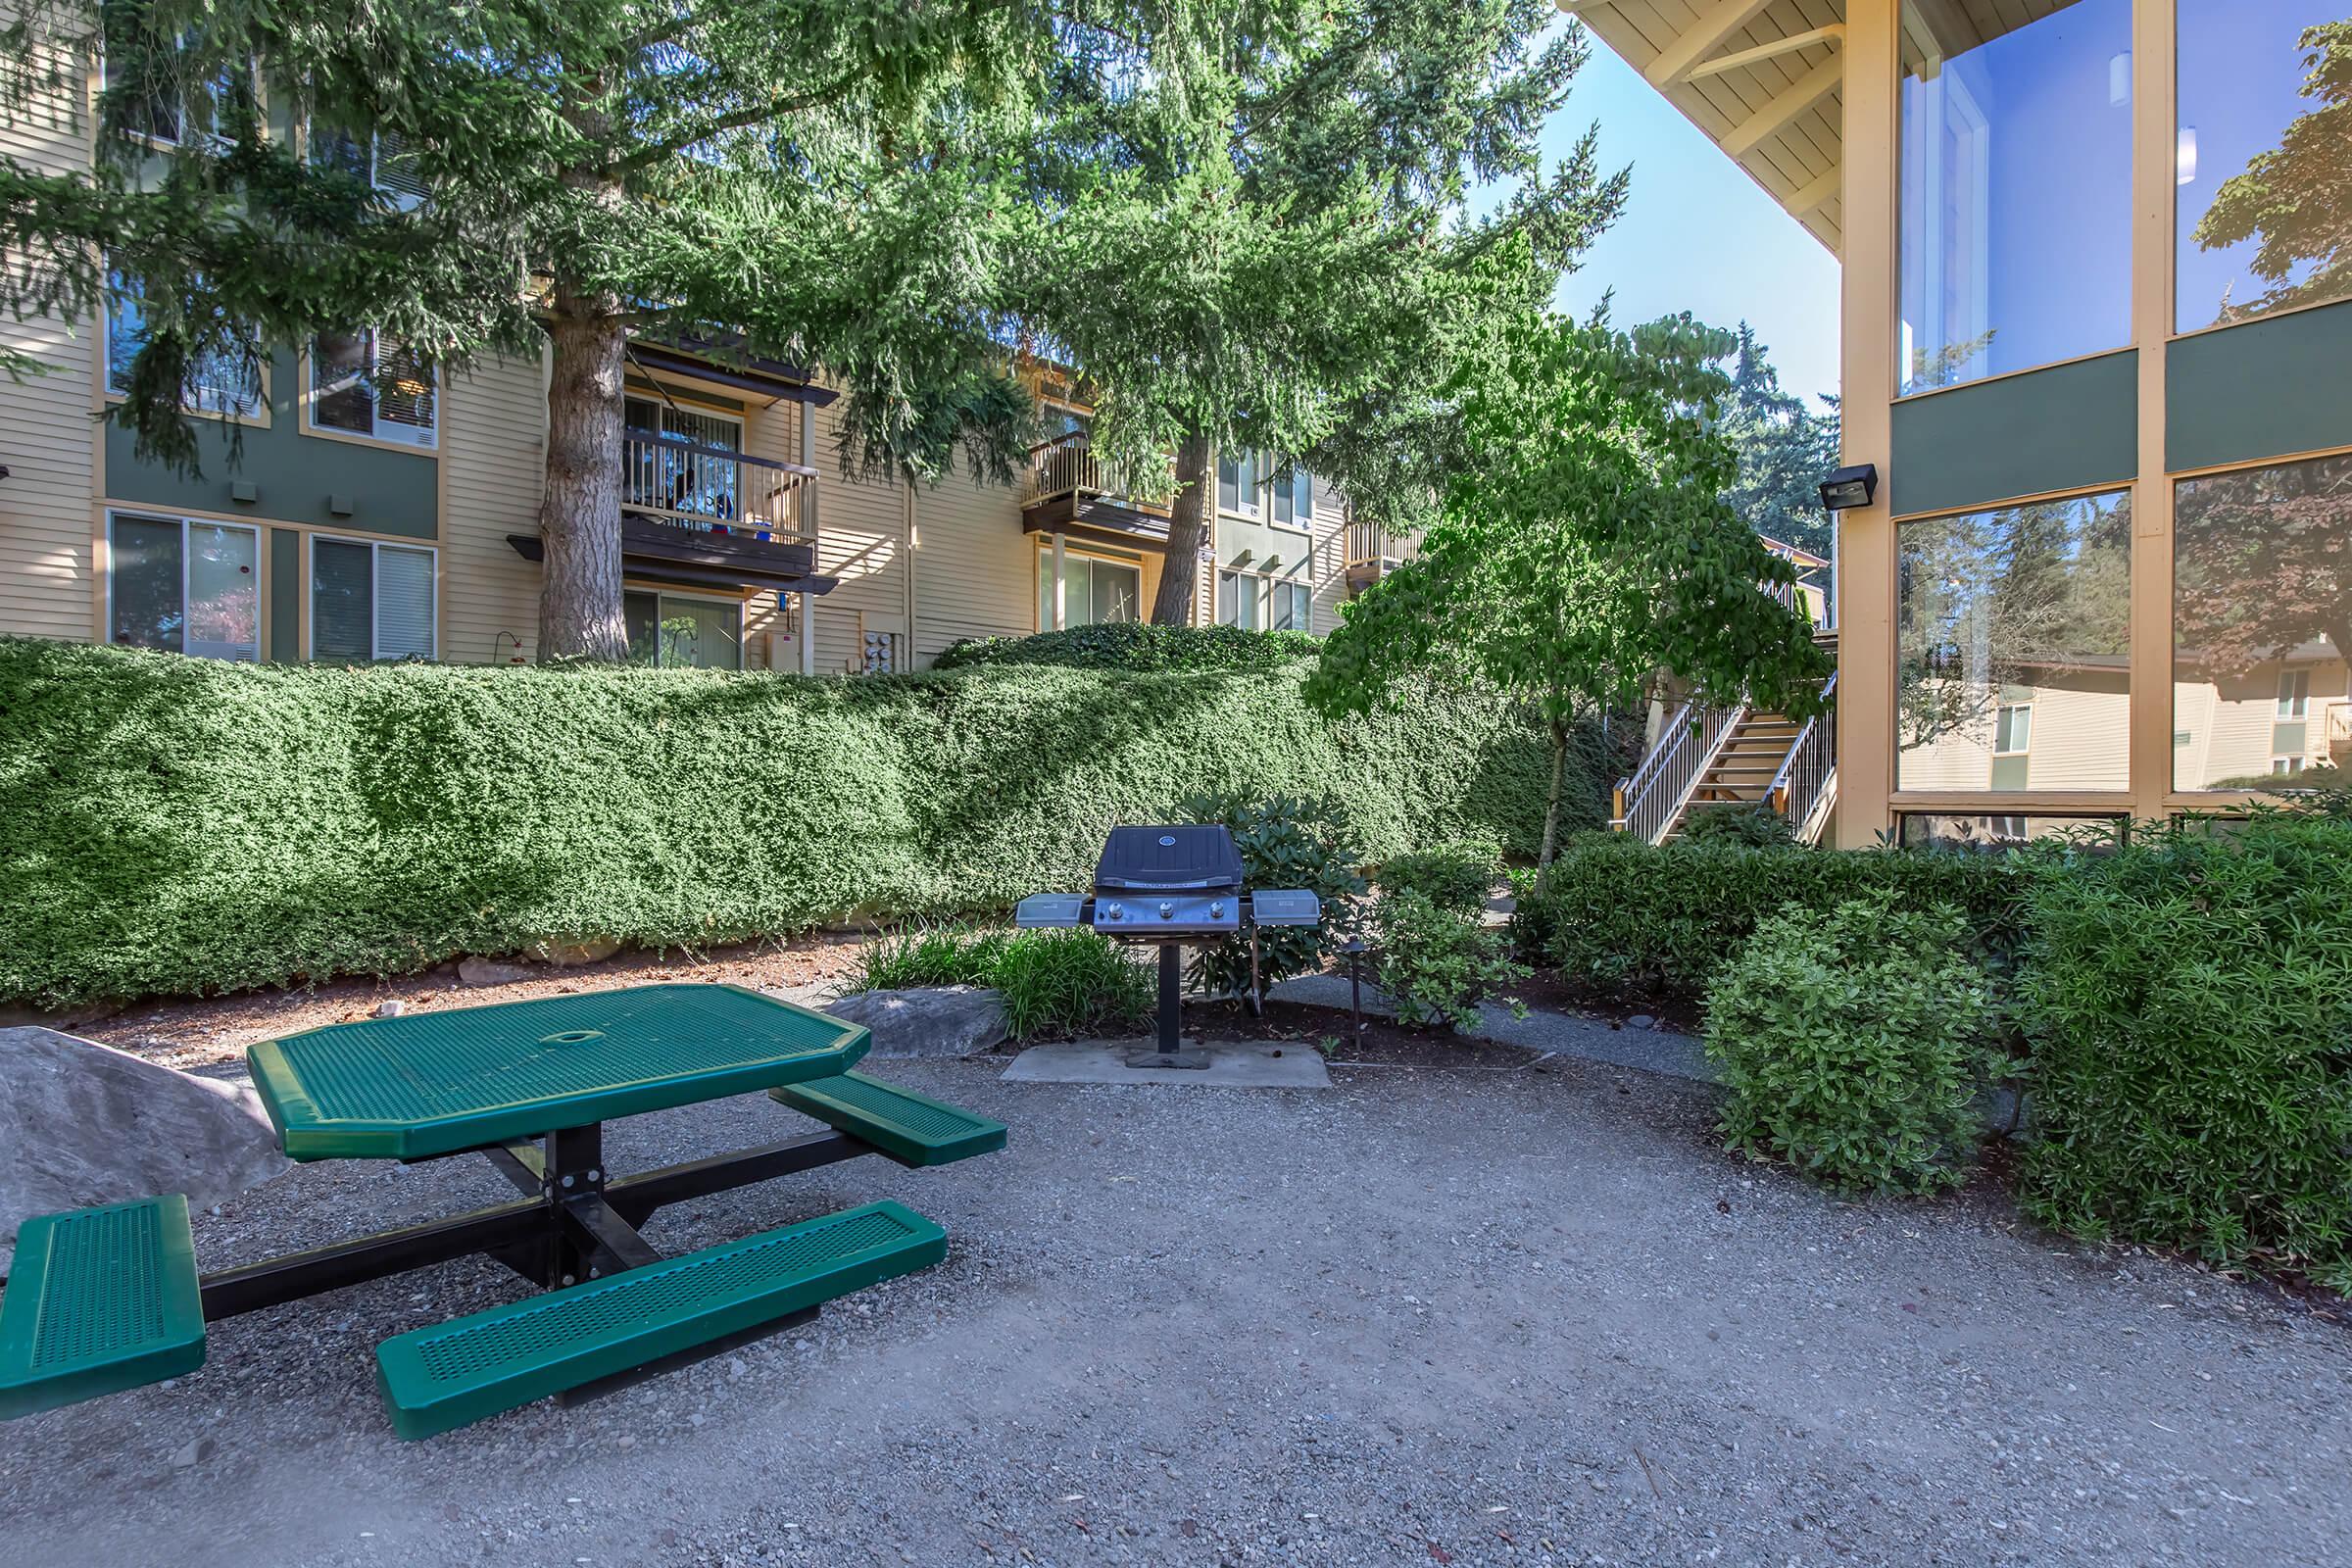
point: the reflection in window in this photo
(1094, 591)
(2013, 646)
(2262, 613)
(2016, 186)
(1926, 830)
(676, 632)
(184, 587)
(2266, 113)
(219, 378)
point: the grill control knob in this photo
(1216, 912)
(1111, 912)
(1168, 911)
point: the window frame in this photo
(373, 436)
(1092, 557)
(376, 573)
(117, 297)
(261, 569)
(657, 594)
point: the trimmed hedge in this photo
(2189, 1006)
(175, 825)
(1138, 645)
(1621, 913)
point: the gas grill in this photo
(1171, 886)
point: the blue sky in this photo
(1698, 235)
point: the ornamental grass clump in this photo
(1854, 1042)
(1049, 983)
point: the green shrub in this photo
(1052, 982)
(1287, 842)
(1853, 1043)
(1437, 965)
(175, 825)
(2189, 1004)
(1138, 645)
(1459, 876)
(1756, 825)
(1623, 916)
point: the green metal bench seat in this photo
(910, 1128)
(474, 1367)
(99, 1301)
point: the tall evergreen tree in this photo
(833, 182)
(1287, 259)
(1785, 449)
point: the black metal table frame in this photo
(577, 1223)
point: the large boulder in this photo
(81, 1124)
(928, 1021)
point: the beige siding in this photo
(975, 571)
(45, 514)
(494, 451)
(863, 529)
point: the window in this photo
(168, 113)
(2257, 167)
(2285, 766)
(679, 462)
(2009, 622)
(219, 379)
(1094, 591)
(1237, 480)
(1293, 606)
(1238, 599)
(384, 161)
(678, 632)
(369, 384)
(2262, 610)
(184, 586)
(1294, 497)
(370, 600)
(2016, 200)
(1941, 830)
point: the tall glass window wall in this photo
(2016, 216)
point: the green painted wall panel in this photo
(2261, 389)
(394, 492)
(2068, 426)
(285, 596)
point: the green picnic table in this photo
(108, 1299)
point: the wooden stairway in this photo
(1742, 769)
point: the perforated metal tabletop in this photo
(434, 1083)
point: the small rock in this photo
(491, 972)
(1641, 1020)
(569, 952)
(192, 1454)
(624, 1443)
(737, 1367)
(390, 1010)
(928, 1021)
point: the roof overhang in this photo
(714, 362)
(1763, 78)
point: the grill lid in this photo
(1153, 857)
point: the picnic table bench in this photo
(108, 1299)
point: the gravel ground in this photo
(1423, 1316)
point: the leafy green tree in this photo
(2296, 198)
(835, 183)
(1588, 549)
(1287, 259)
(1785, 449)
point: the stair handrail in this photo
(1811, 763)
(1648, 802)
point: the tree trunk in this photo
(1188, 531)
(1552, 808)
(579, 585)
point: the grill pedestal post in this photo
(1171, 1052)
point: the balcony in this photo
(1067, 489)
(710, 517)
(1368, 553)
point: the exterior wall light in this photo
(1850, 488)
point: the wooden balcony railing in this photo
(712, 489)
(1068, 466)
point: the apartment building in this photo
(376, 508)
(2095, 339)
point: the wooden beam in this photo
(1810, 197)
(1778, 114)
(1833, 35)
(1706, 35)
